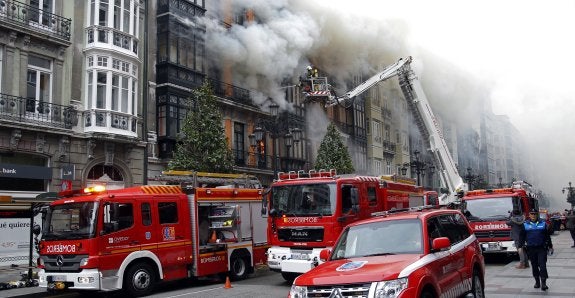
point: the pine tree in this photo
(202, 145)
(333, 154)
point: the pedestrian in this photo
(537, 238)
(515, 221)
(570, 224)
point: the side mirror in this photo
(324, 254)
(273, 213)
(36, 229)
(440, 243)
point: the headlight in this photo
(298, 292)
(390, 288)
(84, 262)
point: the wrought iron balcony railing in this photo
(29, 16)
(31, 111)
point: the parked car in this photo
(419, 252)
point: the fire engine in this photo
(424, 118)
(132, 238)
(487, 210)
(308, 210)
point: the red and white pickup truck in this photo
(419, 252)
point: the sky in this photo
(519, 53)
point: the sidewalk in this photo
(508, 282)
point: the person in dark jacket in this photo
(537, 238)
(570, 224)
(515, 221)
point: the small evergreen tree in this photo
(333, 154)
(202, 145)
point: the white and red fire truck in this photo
(132, 238)
(308, 210)
(488, 210)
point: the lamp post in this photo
(276, 129)
(470, 178)
(570, 194)
(418, 166)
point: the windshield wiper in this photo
(380, 254)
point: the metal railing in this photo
(29, 110)
(34, 17)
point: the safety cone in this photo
(214, 238)
(228, 284)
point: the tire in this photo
(239, 268)
(477, 288)
(289, 276)
(139, 280)
(426, 294)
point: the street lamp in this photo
(470, 178)
(276, 129)
(418, 166)
(570, 194)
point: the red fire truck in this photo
(488, 210)
(132, 238)
(308, 210)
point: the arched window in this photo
(109, 176)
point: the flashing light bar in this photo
(95, 188)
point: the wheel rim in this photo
(239, 267)
(142, 280)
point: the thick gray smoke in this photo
(288, 35)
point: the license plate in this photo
(57, 278)
(299, 256)
(493, 246)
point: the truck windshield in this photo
(304, 199)
(70, 221)
(380, 238)
(489, 208)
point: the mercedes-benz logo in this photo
(60, 260)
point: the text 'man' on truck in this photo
(308, 210)
(132, 238)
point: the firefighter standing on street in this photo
(537, 238)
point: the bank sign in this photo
(24, 171)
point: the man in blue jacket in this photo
(537, 238)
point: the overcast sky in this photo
(524, 50)
(527, 47)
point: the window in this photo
(239, 143)
(101, 90)
(41, 11)
(146, 214)
(117, 217)
(1, 63)
(168, 212)
(103, 13)
(38, 84)
(371, 195)
(102, 61)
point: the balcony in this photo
(386, 113)
(29, 111)
(32, 20)
(231, 92)
(105, 36)
(388, 147)
(182, 6)
(106, 121)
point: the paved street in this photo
(508, 282)
(502, 281)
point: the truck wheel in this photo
(238, 268)
(139, 280)
(289, 276)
